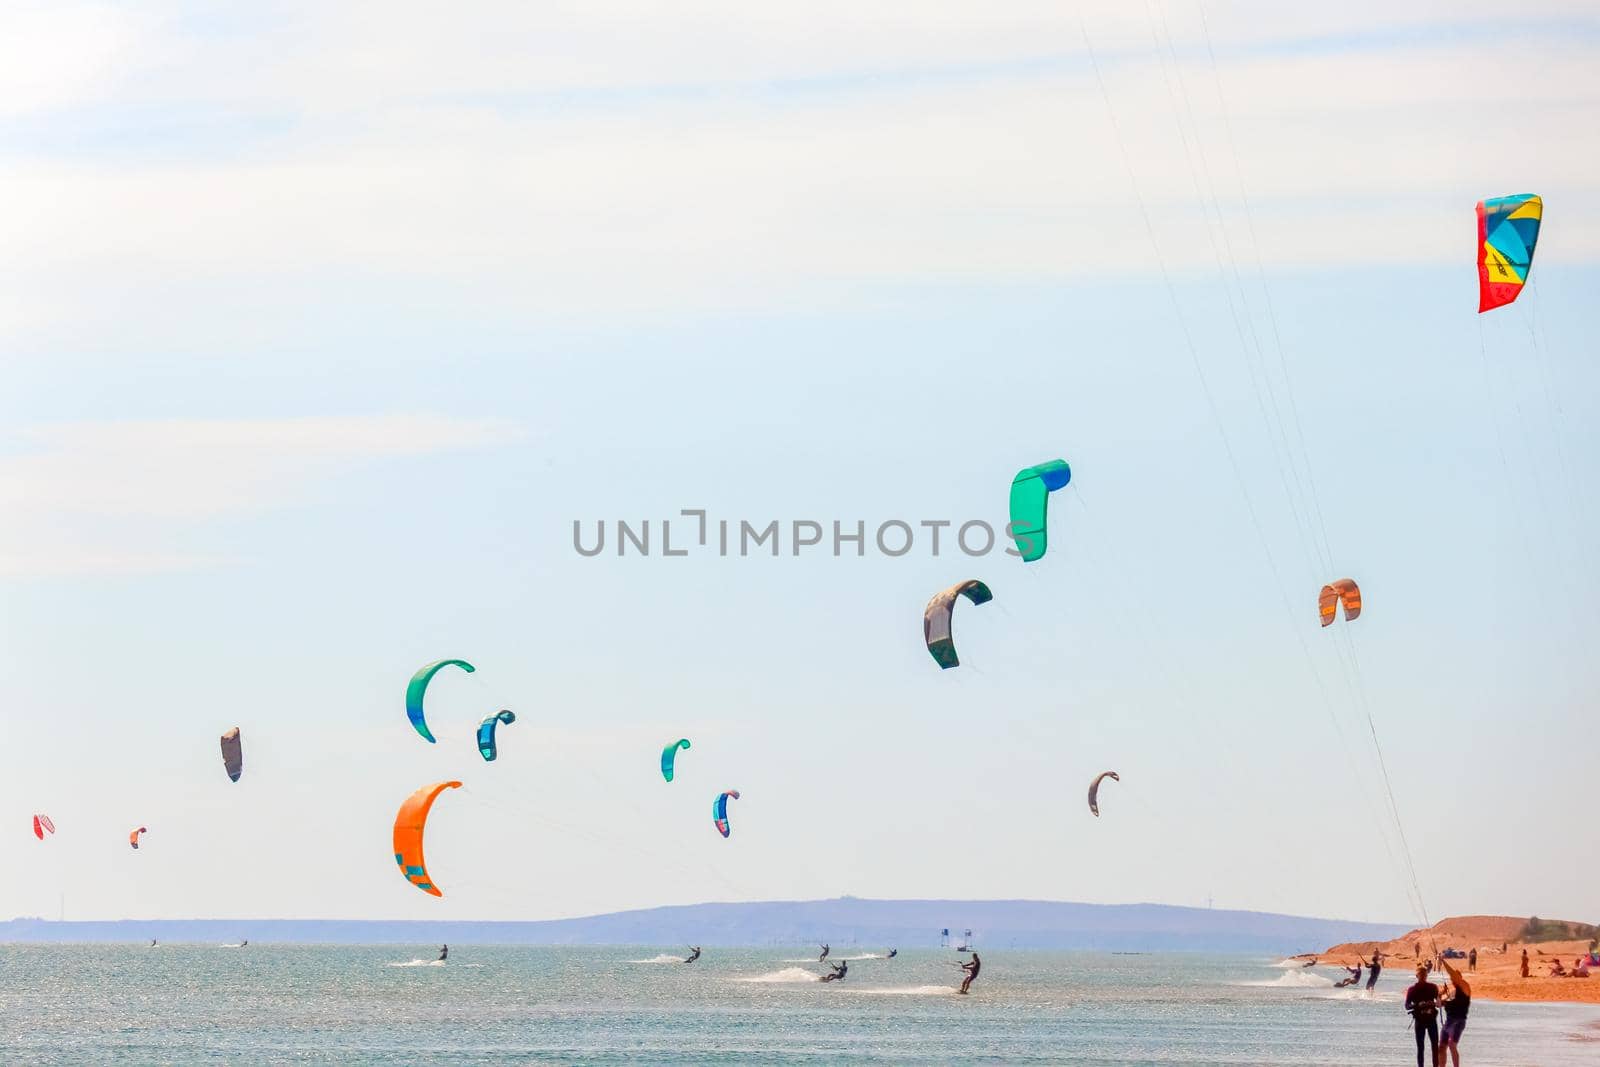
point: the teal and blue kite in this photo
(1030, 497)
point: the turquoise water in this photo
(82, 1004)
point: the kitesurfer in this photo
(694, 954)
(1422, 1002)
(245, 943)
(1354, 979)
(1374, 968)
(892, 954)
(972, 969)
(824, 954)
(840, 969)
(1455, 1015)
(444, 953)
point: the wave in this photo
(788, 974)
(1348, 993)
(663, 958)
(1294, 980)
(906, 991)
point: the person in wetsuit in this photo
(972, 969)
(892, 953)
(444, 953)
(1374, 968)
(694, 953)
(1354, 979)
(1422, 1001)
(1455, 1015)
(840, 969)
(824, 954)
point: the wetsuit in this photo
(1455, 1016)
(840, 969)
(1422, 1001)
(444, 953)
(1376, 968)
(694, 954)
(824, 954)
(972, 969)
(892, 953)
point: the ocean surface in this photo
(183, 1004)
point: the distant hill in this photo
(847, 920)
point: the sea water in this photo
(183, 1004)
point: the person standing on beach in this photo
(1472, 959)
(1376, 968)
(1422, 1002)
(1455, 1016)
(1524, 963)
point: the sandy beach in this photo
(1498, 972)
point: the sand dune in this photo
(1498, 939)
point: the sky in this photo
(323, 324)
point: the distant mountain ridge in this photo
(846, 920)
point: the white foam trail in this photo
(418, 963)
(663, 958)
(788, 974)
(811, 959)
(1294, 980)
(868, 956)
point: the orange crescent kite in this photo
(408, 824)
(1344, 591)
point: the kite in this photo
(936, 619)
(42, 825)
(1508, 228)
(233, 754)
(133, 835)
(669, 755)
(419, 685)
(1344, 591)
(1030, 497)
(1094, 790)
(408, 824)
(719, 811)
(486, 745)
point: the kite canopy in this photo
(1094, 790)
(1030, 497)
(42, 825)
(719, 811)
(486, 745)
(233, 754)
(1344, 591)
(669, 756)
(408, 824)
(419, 686)
(133, 835)
(1508, 229)
(936, 619)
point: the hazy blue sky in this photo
(321, 327)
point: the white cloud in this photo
(142, 482)
(557, 160)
